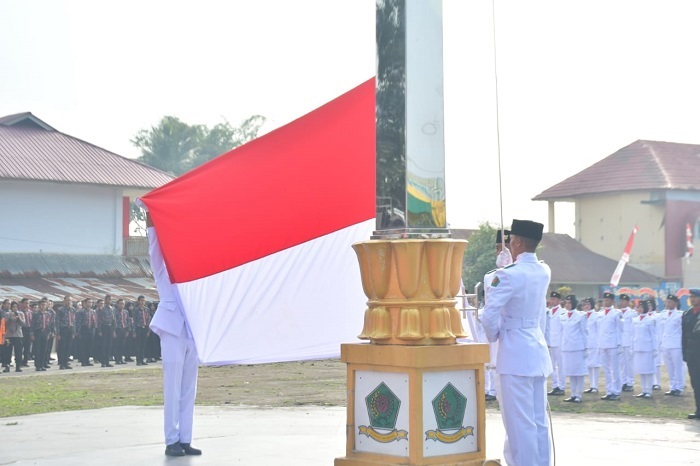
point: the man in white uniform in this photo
(514, 316)
(610, 346)
(671, 346)
(553, 337)
(180, 360)
(503, 259)
(627, 357)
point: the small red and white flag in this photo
(258, 240)
(688, 242)
(617, 274)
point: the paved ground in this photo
(307, 436)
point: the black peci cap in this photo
(498, 237)
(527, 229)
(608, 295)
(554, 294)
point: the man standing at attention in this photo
(609, 346)
(691, 346)
(180, 360)
(515, 316)
(553, 338)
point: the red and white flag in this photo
(623, 260)
(258, 240)
(688, 242)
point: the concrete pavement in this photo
(308, 436)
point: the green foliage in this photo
(176, 147)
(480, 256)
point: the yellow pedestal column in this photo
(415, 396)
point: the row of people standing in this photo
(92, 329)
(622, 340)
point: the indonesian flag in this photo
(623, 260)
(688, 242)
(258, 240)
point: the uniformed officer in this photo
(141, 321)
(504, 259)
(553, 336)
(573, 347)
(65, 318)
(645, 347)
(179, 353)
(515, 317)
(40, 334)
(610, 346)
(105, 330)
(627, 314)
(671, 346)
(592, 357)
(691, 346)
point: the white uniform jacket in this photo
(168, 317)
(592, 329)
(672, 329)
(515, 315)
(609, 328)
(627, 315)
(553, 330)
(574, 330)
(644, 327)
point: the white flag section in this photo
(617, 274)
(297, 304)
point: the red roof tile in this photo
(32, 150)
(642, 165)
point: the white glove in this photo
(504, 258)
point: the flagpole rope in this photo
(500, 185)
(498, 121)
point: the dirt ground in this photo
(320, 383)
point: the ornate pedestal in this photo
(415, 396)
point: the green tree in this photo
(176, 147)
(480, 256)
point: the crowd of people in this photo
(624, 339)
(88, 332)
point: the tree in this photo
(480, 256)
(176, 147)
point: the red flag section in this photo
(304, 180)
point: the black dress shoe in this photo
(174, 450)
(490, 397)
(570, 399)
(605, 397)
(694, 416)
(628, 388)
(577, 399)
(656, 387)
(189, 450)
(614, 398)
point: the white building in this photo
(65, 204)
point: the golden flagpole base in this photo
(415, 395)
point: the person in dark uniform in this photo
(26, 331)
(65, 318)
(40, 334)
(86, 323)
(141, 321)
(690, 326)
(122, 328)
(105, 330)
(53, 329)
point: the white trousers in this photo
(610, 360)
(180, 369)
(673, 358)
(627, 366)
(593, 373)
(646, 382)
(558, 379)
(576, 385)
(523, 403)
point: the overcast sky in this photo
(577, 80)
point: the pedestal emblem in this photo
(449, 407)
(383, 409)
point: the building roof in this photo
(32, 150)
(642, 165)
(574, 264)
(55, 289)
(49, 265)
